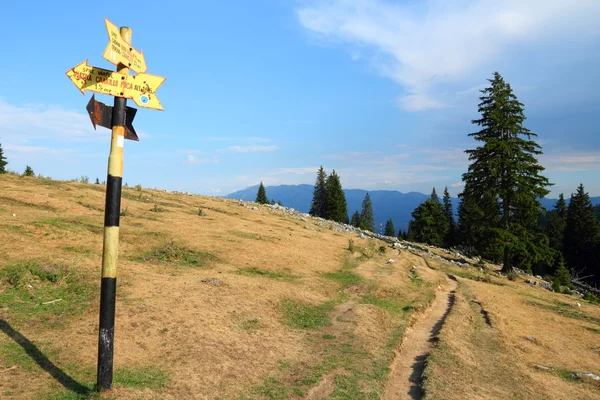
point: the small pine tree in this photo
(561, 272)
(318, 207)
(367, 221)
(261, 196)
(389, 228)
(28, 171)
(279, 203)
(355, 221)
(3, 161)
(97, 181)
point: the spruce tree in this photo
(389, 228)
(561, 272)
(434, 195)
(504, 172)
(581, 236)
(28, 171)
(355, 221)
(367, 221)
(557, 221)
(3, 161)
(429, 223)
(336, 208)
(261, 195)
(318, 206)
(450, 239)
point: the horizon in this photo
(383, 92)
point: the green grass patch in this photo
(69, 224)
(346, 278)
(391, 305)
(594, 330)
(29, 284)
(253, 271)
(178, 254)
(14, 202)
(90, 206)
(247, 235)
(328, 336)
(79, 249)
(141, 377)
(304, 316)
(251, 324)
(565, 310)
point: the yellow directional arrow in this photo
(119, 51)
(140, 88)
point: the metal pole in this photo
(110, 249)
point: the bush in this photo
(28, 171)
(512, 276)
(201, 212)
(590, 297)
(351, 245)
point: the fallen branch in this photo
(8, 369)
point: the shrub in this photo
(28, 171)
(512, 276)
(351, 245)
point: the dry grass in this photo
(211, 302)
(244, 304)
(507, 359)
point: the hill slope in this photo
(246, 302)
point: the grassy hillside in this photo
(243, 302)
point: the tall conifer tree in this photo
(319, 201)
(336, 208)
(557, 221)
(367, 221)
(504, 167)
(450, 239)
(581, 236)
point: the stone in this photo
(544, 368)
(390, 261)
(592, 376)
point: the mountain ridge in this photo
(386, 203)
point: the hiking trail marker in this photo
(140, 88)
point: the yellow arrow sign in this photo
(119, 51)
(140, 88)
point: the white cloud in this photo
(422, 45)
(31, 122)
(196, 160)
(571, 162)
(457, 185)
(251, 149)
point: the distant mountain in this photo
(386, 203)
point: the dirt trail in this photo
(404, 380)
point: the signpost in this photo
(141, 88)
(101, 114)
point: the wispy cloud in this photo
(196, 160)
(251, 149)
(580, 161)
(422, 45)
(296, 171)
(21, 124)
(254, 139)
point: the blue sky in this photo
(269, 90)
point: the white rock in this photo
(390, 261)
(14, 215)
(578, 304)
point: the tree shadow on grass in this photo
(43, 361)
